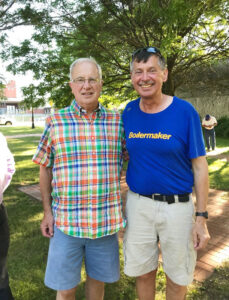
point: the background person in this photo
(209, 122)
(7, 169)
(80, 157)
(166, 158)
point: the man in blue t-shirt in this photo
(166, 159)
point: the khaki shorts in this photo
(146, 221)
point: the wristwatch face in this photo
(202, 214)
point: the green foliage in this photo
(112, 102)
(189, 33)
(222, 129)
(2, 86)
(15, 13)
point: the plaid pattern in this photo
(86, 157)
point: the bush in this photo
(222, 129)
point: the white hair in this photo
(85, 59)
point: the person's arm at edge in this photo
(200, 231)
(215, 124)
(46, 189)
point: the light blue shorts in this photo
(66, 253)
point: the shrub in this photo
(222, 129)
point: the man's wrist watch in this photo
(202, 214)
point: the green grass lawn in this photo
(215, 287)
(219, 167)
(14, 130)
(28, 249)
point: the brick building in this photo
(10, 104)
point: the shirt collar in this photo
(100, 110)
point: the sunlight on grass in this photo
(28, 152)
(16, 235)
(218, 173)
(25, 164)
(35, 217)
(225, 196)
(16, 130)
(214, 288)
(216, 165)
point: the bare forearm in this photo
(200, 231)
(201, 183)
(46, 188)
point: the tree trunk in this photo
(168, 87)
(33, 125)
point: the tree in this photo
(2, 87)
(189, 34)
(15, 13)
(32, 100)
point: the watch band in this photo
(202, 214)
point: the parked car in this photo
(6, 120)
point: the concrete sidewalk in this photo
(218, 247)
(23, 135)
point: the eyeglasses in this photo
(81, 81)
(147, 49)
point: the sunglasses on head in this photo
(146, 49)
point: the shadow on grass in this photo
(215, 287)
(219, 178)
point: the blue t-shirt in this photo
(161, 146)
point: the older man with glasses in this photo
(167, 157)
(80, 157)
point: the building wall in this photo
(10, 90)
(208, 90)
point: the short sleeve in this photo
(195, 136)
(44, 154)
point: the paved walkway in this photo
(23, 135)
(218, 247)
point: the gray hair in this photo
(85, 59)
(161, 61)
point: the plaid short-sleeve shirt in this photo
(85, 154)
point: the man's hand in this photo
(47, 225)
(200, 234)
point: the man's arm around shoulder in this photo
(46, 189)
(200, 231)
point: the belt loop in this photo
(176, 198)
